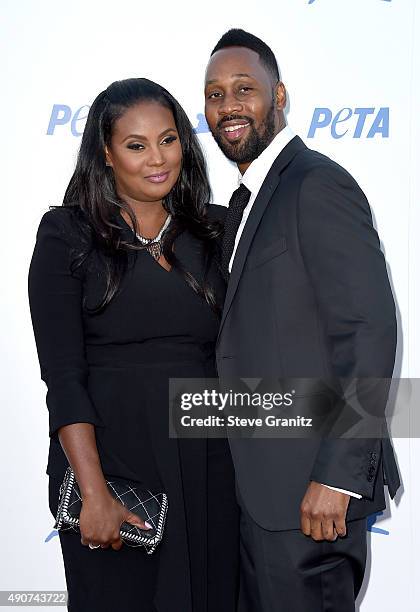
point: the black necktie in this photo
(237, 205)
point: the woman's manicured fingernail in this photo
(148, 525)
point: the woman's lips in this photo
(234, 132)
(158, 178)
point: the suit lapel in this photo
(260, 204)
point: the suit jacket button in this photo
(370, 478)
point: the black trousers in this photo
(286, 571)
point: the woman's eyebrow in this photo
(140, 137)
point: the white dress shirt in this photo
(253, 179)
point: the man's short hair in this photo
(239, 38)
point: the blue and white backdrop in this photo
(352, 69)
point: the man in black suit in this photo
(308, 298)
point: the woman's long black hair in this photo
(92, 187)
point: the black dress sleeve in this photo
(55, 299)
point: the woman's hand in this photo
(101, 518)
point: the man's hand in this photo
(323, 513)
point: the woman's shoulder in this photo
(68, 221)
(63, 215)
(216, 212)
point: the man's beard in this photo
(254, 145)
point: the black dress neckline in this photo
(130, 232)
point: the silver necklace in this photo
(154, 245)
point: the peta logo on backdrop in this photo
(63, 115)
(366, 122)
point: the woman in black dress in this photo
(116, 315)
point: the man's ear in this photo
(280, 96)
(108, 157)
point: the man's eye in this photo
(245, 89)
(169, 139)
(135, 146)
(215, 94)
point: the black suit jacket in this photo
(308, 296)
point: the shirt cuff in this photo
(351, 493)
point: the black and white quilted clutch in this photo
(150, 507)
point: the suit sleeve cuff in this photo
(351, 493)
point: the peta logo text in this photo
(357, 122)
(74, 120)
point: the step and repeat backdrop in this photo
(352, 71)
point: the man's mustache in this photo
(233, 118)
